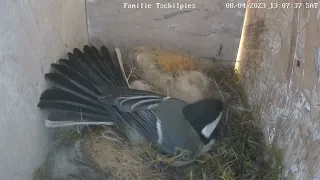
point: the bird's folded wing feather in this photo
(130, 100)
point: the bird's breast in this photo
(176, 131)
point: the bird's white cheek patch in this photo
(208, 129)
(159, 130)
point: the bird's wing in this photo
(81, 85)
(74, 85)
(145, 122)
(130, 100)
(79, 81)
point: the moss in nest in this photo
(239, 152)
(175, 61)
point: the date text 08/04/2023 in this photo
(270, 5)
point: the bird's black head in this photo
(204, 116)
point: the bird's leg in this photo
(173, 161)
(200, 161)
(203, 158)
(170, 160)
(179, 163)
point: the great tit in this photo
(91, 88)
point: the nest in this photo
(239, 153)
(117, 158)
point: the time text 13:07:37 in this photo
(271, 5)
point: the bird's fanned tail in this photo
(73, 98)
(90, 88)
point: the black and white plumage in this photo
(91, 88)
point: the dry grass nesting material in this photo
(118, 159)
(239, 152)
